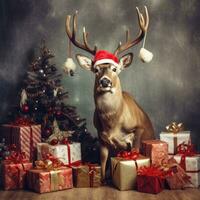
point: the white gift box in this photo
(192, 168)
(174, 139)
(68, 154)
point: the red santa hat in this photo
(102, 57)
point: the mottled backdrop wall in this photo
(167, 88)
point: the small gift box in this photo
(49, 175)
(87, 175)
(155, 149)
(190, 162)
(24, 134)
(174, 135)
(150, 180)
(69, 153)
(14, 171)
(175, 176)
(124, 169)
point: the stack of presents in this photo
(27, 163)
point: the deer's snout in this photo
(105, 82)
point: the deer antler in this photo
(72, 35)
(143, 23)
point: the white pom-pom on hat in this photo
(145, 55)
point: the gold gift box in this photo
(124, 172)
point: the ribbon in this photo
(49, 163)
(16, 158)
(126, 155)
(175, 128)
(92, 173)
(150, 171)
(185, 150)
(21, 121)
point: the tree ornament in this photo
(24, 98)
(145, 55)
(69, 65)
(25, 108)
(58, 134)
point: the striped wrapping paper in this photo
(24, 137)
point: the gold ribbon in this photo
(174, 127)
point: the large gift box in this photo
(124, 170)
(49, 175)
(67, 153)
(155, 149)
(14, 171)
(87, 175)
(41, 181)
(150, 180)
(174, 135)
(24, 135)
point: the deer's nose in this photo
(105, 82)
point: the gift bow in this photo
(56, 141)
(49, 163)
(151, 171)
(16, 157)
(174, 127)
(21, 121)
(185, 150)
(128, 155)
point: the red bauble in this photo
(54, 142)
(25, 108)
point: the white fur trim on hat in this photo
(103, 61)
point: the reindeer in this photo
(120, 121)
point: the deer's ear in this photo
(84, 62)
(126, 60)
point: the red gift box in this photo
(155, 149)
(24, 135)
(150, 180)
(41, 181)
(149, 184)
(14, 171)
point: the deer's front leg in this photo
(104, 152)
(138, 136)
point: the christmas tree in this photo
(43, 100)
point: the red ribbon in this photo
(150, 171)
(16, 158)
(21, 121)
(92, 171)
(128, 155)
(185, 150)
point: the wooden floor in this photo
(105, 193)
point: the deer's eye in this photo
(114, 69)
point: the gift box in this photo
(150, 180)
(14, 171)
(155, 149)
(69, 153)
(174, 135)
(191, 164)
(42, 180)
(87, 175)
(176, 178)
(124, 170)
(24, 135)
